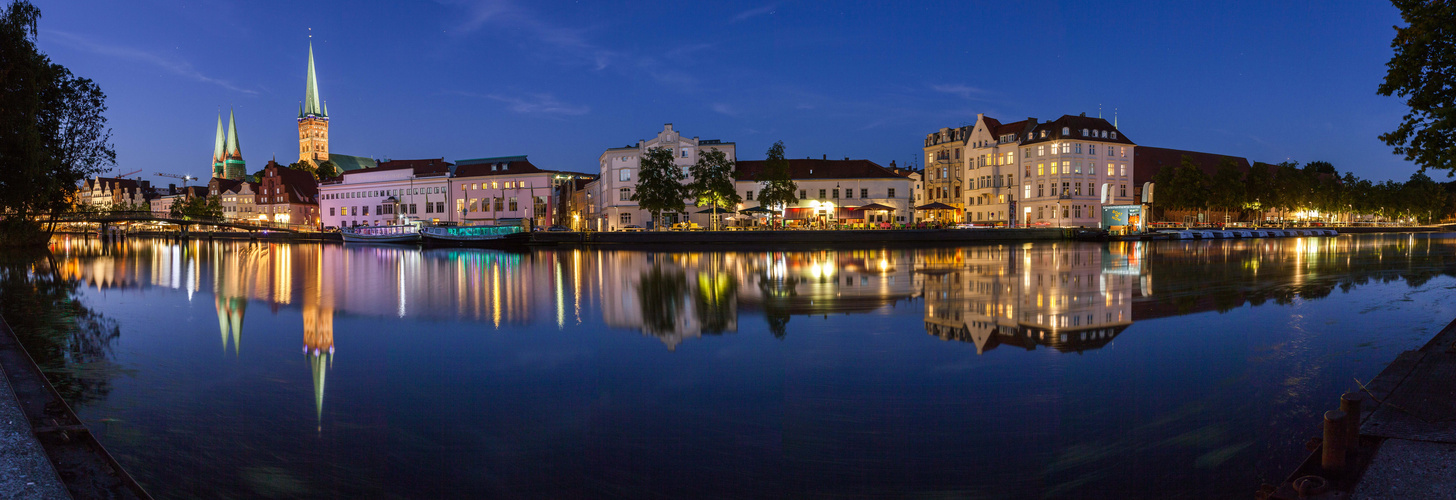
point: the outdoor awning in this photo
(715, 210)
(876, 206)
(935, 206)
(798, 213)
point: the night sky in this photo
(562, 81)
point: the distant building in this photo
(503, 191)
(836, 191)
(620, 168)
(394, 192)
(164, 200)
(238, 198)
(287, 196)
(578, 206)
(1148, 161)
(108, 192)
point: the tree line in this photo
(1281, 191)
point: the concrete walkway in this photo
(1416, 416)
(25, 470)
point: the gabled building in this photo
(287, 196)
(945, 167)
(109, 192)
(238, 198)
(1056, 173)
(1069, 166)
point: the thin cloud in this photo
(571, 44)
(725, 109)
(535, 103)
(176, 67)
(506, 14)
(965, 91)
(752, 13)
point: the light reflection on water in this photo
(479, 372)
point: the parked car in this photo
(631, 228)
(558, 228)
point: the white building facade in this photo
(395, 192)
(620, 168)
(836, 192)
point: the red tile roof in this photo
(1148, 160)
(820, 169)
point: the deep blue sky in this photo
(561, 81)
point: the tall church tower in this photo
(313, 121)
(233, 165)
(217, 151)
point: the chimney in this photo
(846, 158)
(892, 163)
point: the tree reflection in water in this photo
(661, 292)
(70, 343)
(716, 301)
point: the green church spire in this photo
(234, 150)
(218, 155)
(311, 103)
(233, 166)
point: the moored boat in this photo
(474, 236)
(381, 234)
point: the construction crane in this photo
(184, 178)
(128, 174)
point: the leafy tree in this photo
(1259, 189)
(197, 207)
(304, 166)
(327, 169)
(779, 189)
(1424, 198)
(1227, 187)
(1421, 72)
(712, 183)
(659, 185)
(54, 132)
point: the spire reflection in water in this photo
(621, 369)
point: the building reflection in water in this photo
(1071, 297)
(1068, 297)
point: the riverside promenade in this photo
(45, 450)
(1405, 445)
(25, 470)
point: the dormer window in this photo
(1043, 134)
(1114, 135)
(1066, 131)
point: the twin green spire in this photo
(227, 152)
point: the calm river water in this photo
(1075, 370)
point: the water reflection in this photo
(1065, 296)
(578, 372)
(1069, 297)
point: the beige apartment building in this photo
(1056, 173)
(944, 177)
